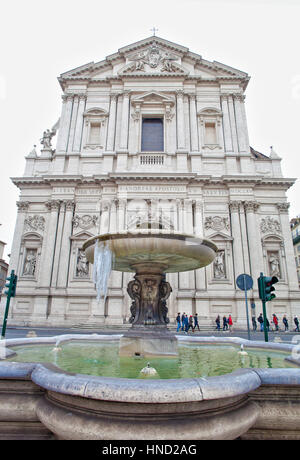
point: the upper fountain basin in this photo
(172, 251)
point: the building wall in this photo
(207, 181)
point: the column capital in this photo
(234, 206)
(251, 206)
(53, 205)
(22, 206)
(283, 208)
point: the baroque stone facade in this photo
(202, 177)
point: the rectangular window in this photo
(152, 135)
(94, 137)
(210, 133)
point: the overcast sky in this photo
(42, 39)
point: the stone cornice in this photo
(224, 182)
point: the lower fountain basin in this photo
(42, 401)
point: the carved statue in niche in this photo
(82, 265)
(219, 265)
(274, 264)
(30, 263)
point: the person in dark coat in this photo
(196, 324)
(178, 319)
(296, 321)
(261, 322)
(254, 324)
(218, 322)
(225, 323)
(190, 323)
(286, 324)
(182, 321)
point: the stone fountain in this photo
(150, 254)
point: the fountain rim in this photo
(53, 378)
(153, 233)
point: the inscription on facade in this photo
(152, 188)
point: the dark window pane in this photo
(152, 135)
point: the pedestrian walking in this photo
(182, 321)
(178, 319)
(190, 323)
(225, 323)
(218, 322)
(261, 322)
(254, 324)
(186, 324)
(296, 321)
(267, 324)
(286, 323)
(196, 324)
(275, 322)
(230, 323)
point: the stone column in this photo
(17, 239)
(233, 124)
(193, 124)
(238, 98)
(125, 122)
(226, 124)
(63, 132)
(105, 211)
(73, 123)
(244, 239)
(112, 123)
(255, 247)
(121, 214)
(113, 216)
(79, 123)
(283, 209)
(58, 243)
(180, 122)
(188, 216)
(47, 256)
(64, 259)
(238, 257)
(200, 272)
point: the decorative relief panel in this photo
(270, 225)
(35, 222)
(86, 221)
(216, 223)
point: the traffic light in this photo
(265, 287)
(11, 285)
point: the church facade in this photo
(153, 136)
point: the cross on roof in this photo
(154, 30)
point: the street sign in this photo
(245, 282)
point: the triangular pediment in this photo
(220, 236)
(152, 97)
(153, 56)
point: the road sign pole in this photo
(5, 317)
(247, 314)
(265, 321)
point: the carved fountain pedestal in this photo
(150, 255)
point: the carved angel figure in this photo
(82, 267)
(46, 139)
(219, 265)
(167, 59)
